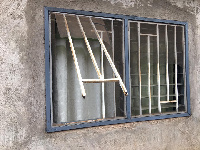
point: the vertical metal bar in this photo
(109, 59)
(127, 66)
(139, 70)
(187, 69)
(113, 52)
(184, 75)
(102, 84)
(129, 57)
(74, 58)
(176, 73)
(149, 72)
(158, 68)
(47, 71)
(89, 49)
(167, 63)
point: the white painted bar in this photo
(89, 49)
(102, 84)
(109, 59)
(176, 76)
(149, 72)
(100, 80)
(164, 102)
(75, 58)
(158, 68)
(139, 70)
(167, 63)
(113, 52)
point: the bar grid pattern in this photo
(157, 68)
(168, 40)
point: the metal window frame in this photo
(129, 118)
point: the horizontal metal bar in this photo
(152, 74)
(164, 102)
(143, 53)
(157, 85)
(100, 80)
(157, 96)
(156, 23)
(155, 107)
(102, 31)
(148, 34)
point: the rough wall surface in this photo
(22, 80)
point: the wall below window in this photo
(22, 80)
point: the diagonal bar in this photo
(74, 58)
(109, 59)
(89, 49)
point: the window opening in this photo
(95, 53)
(98, 37)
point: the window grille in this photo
(106, 69)
(157, 62)
(90, 32)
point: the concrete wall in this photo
(22, 80)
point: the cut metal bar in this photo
(167, 63)
(158, 69)
(184, 75)
(149, 72)
(100, 80)
(89, 49)
(102, 84)
(74, 58)
(139, 70)
(102, 31)
(176, 77)
(109, 59)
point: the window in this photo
(106, 69)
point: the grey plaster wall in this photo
(22, 80)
